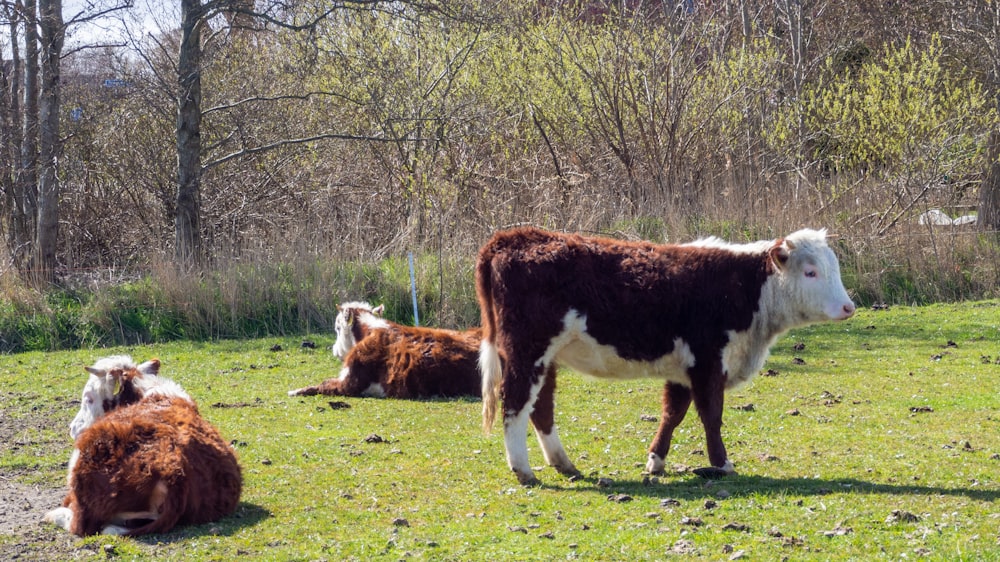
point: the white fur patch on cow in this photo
(577, 349)
(114, 530)
(744, 356)
(715, 242)
(73, 458)
(654, 464)
(374, 390)
(159, 386)
(61, 516)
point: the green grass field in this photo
(876, 438)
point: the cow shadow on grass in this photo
(691, 487)
(246, 515)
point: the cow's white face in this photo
(810, 276)
(99, 394)
(347, 315)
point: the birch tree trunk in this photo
(27, 177)
(18, 222)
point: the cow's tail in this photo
(489, 357)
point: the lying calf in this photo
(144, 459)
(385, 359)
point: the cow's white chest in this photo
(744, 356)
(578, 350)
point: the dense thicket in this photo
(740, 119)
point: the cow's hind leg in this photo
(61, 516)
(518, 399)
(543, 420)
(676, 400)
(709, 399)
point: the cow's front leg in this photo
(709, 399)
(676, 400)
(543, 419)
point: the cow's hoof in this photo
(715, 471)
(527, 479)
(569, 471)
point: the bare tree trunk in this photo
(792, 12)
(27, 178)
(187, 234)
(988, 217)
(46, 238)
(17, 225)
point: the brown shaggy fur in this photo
(157, 455)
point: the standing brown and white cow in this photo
(703, 316)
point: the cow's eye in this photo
(811, 273)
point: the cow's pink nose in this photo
(849, 310)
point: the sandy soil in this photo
(23, 535)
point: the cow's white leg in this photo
(114, 530)
(543, 420)
(555, 455)
(655, 464)
(61, 516)
(515, 432)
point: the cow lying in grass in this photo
(143, 460)
(385, 359)
(701, 317)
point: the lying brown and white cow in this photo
(702, 316)
(385, 359)
(144, 460)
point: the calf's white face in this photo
(101, 388)
(347, 315)
(810, 278)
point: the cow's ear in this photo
(779, 253)
(151, 367)
(349, 315)
(378, 310)
(95, 372)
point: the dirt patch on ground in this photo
(24, 505)
(26, 432)
(23, 535)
